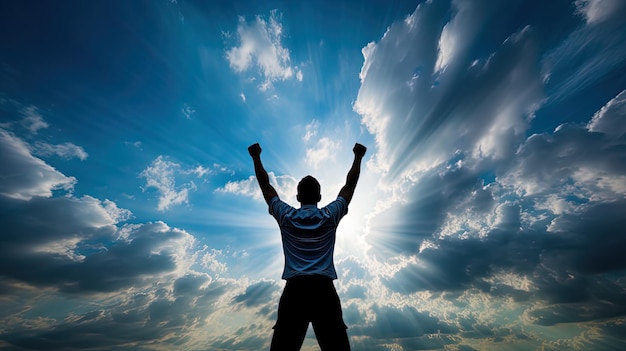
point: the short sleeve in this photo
(278, 209)
(337, 209)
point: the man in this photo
(308, 236)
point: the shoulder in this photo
(277, 207)
(338, 208)
(338, 202)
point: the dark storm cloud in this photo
(257, 294)
(402, 228)
(351, 314)
(548, 163)
(140, 320)
(352, 268)
(405, 322)
(592, 244)
(69, 244)
(152, 249)
(578, 299)
(356, 292)
(459, 264)
(587, 243)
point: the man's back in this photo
(308, 236)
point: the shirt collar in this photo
(308, 207)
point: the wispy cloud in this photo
(33, 121)
(260, 46)
(311, 130)
(137, 144)
(65, 150)
(588, 53)
(188, 111)
(599, 10)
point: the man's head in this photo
(309, 191)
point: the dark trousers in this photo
(310, 299)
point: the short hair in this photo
(309, 190)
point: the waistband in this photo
(309, 278)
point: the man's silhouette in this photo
(308, 236)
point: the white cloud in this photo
(161, 175)
(172, 182)
(25, 176)
(115, 213)
(200, 171)
(260, 45)
(446, 48)
(243, 97)
(65, 150)
(324, 151)
(209, 260)
(285, 187)
(248, 187)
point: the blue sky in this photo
(489, 214)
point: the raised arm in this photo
(261, 175)
(353, 174)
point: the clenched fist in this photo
(359, 150)
(254, 150)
